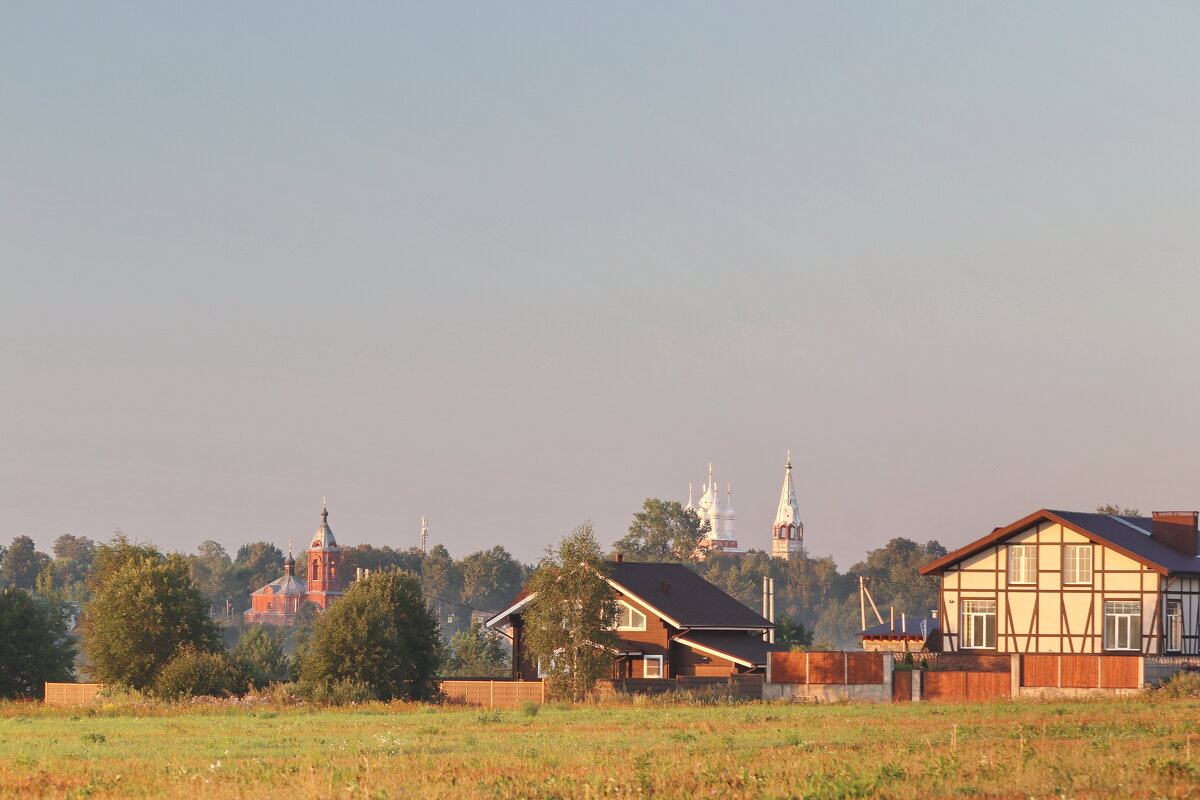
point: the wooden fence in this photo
(71, 694)
(846, 669)
(494, 694)
(960, 686)
(1080, 671)
(732, 685)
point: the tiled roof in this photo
(288, 584)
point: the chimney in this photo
(620, 558)
(1176, 529)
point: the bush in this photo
(260, 655)
(34, 646)
(193, 673)
(336, 693)
(1179, 685)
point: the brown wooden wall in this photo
(965, 687)
(1067, 671)
(71, 694)
(827, 668)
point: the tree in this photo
(792, 635)
(217, 578)
(663, 531)
(441, 578)
(257, 564)
(35, 646)
(73, 557)
(260, 654)
(195, 672)
(491, 578)
(478, 653)
(569, 627)
(22, 564)
(1118, 511)
(146, 609)
(381, 633)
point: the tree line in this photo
(171, 623)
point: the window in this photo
(652, 667)
(1174, 625)
(1022, 563)
(1077, 563)
(1122, 619)
(978, 623)
(629, 618)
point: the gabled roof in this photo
(905, 627)
(740, 647)
(672, 591)
(683, 598)
(1129, 536)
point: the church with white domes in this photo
(787, 534)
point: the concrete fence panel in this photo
(71, 694)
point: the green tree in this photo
(145, 610)
(477, 652)
(195, 672)
(1118, 511)
(259, 563)
(34, 646)
(380, 633)
(73, 557)
(218, 579)
(663, 531)
(569, 627)
(260, 653)
(491, 578)
(791, 634)
(22, 564)
(441, 579)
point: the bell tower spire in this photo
(787, 534)
(324, 563)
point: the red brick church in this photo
(278, 601)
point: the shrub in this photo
(260, 654)
(195, 672)
(34, 647)
(1179, 685)
(336, 693)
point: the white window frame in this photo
(1123, 625)
(1173, 636)
(977, 633)
(1022, 564)
(1074, 565)
(647, 661)
(634, 614)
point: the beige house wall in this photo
(1049, 615)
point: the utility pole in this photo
(424, 535)
(771, 607)
(862, 605)
(765, 609)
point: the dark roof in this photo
(1129, 535)
(742, 645)
(683, 596)
(905, 626)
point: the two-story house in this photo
(671, 623)
(1072, 582)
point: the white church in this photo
(787, 534)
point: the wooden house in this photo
(904, 635)
(1072, 582)
(671, 623)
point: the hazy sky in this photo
(514, 266)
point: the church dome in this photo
(323, 538)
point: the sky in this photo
(514, 266)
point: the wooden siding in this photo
(789, 667)
(827, 668)
(902, 686)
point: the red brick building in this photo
(278, 601)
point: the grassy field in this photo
(1132, 748)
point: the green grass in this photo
(1132, 748)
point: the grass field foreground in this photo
(1131, 748)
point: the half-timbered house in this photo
(1072, 582)
(671, 623)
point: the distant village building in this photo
(787, 534)
(719, 517)
(278, 601)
